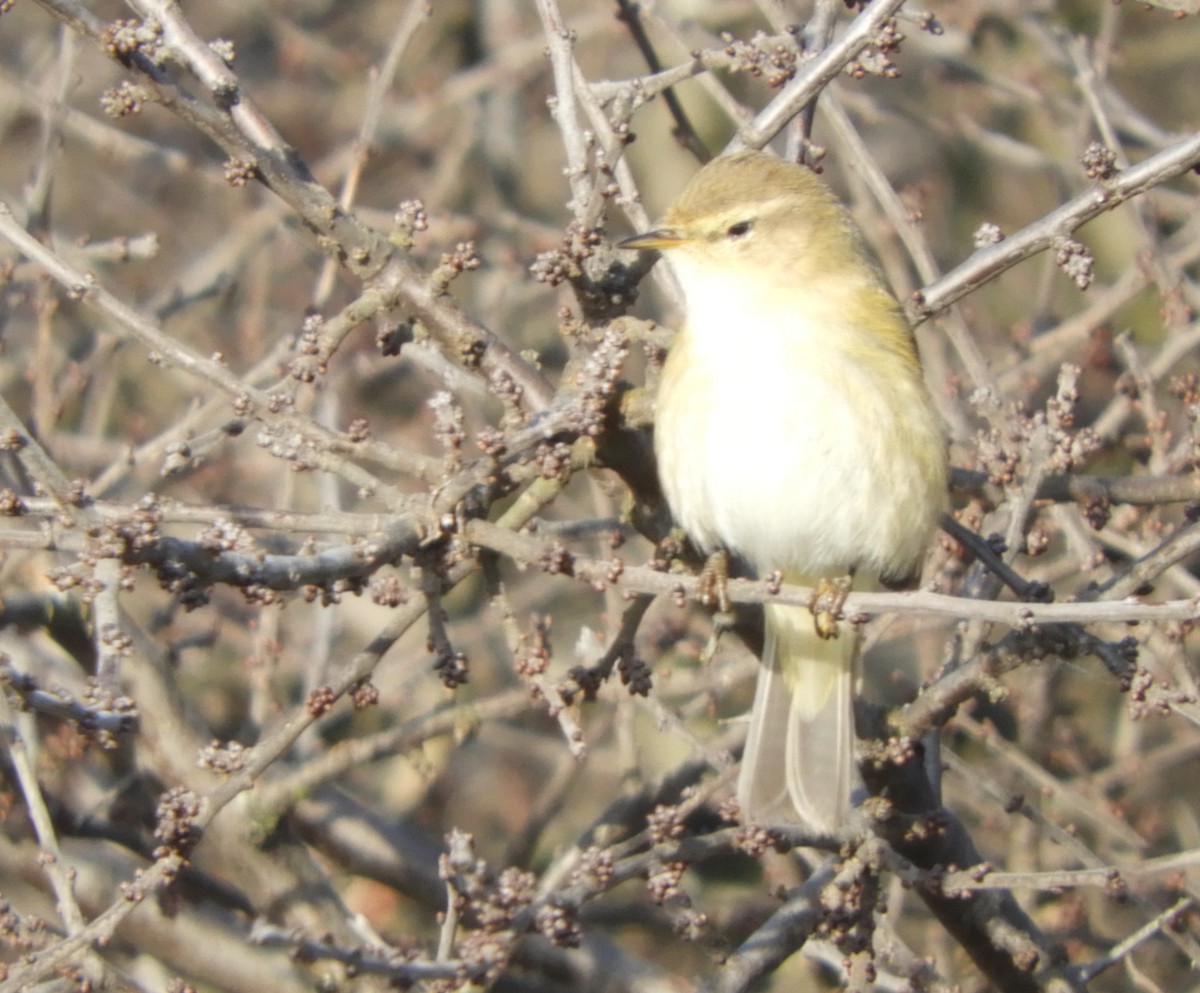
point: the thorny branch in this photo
(333, 515)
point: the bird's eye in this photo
(739, 230)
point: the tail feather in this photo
(798, 765)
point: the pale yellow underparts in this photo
(794, 429)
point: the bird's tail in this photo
(798, 765)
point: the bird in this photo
(794, 431)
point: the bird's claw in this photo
(713, 583)
(826, 604)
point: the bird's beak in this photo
(660, 238)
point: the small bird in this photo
(794, 430)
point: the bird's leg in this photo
(713, 584)
(827, 602)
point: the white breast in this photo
(775, 441)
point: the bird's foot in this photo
(713, 584)
(827, 602)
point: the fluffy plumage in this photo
(794, 429)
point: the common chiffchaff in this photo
(795, 431)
